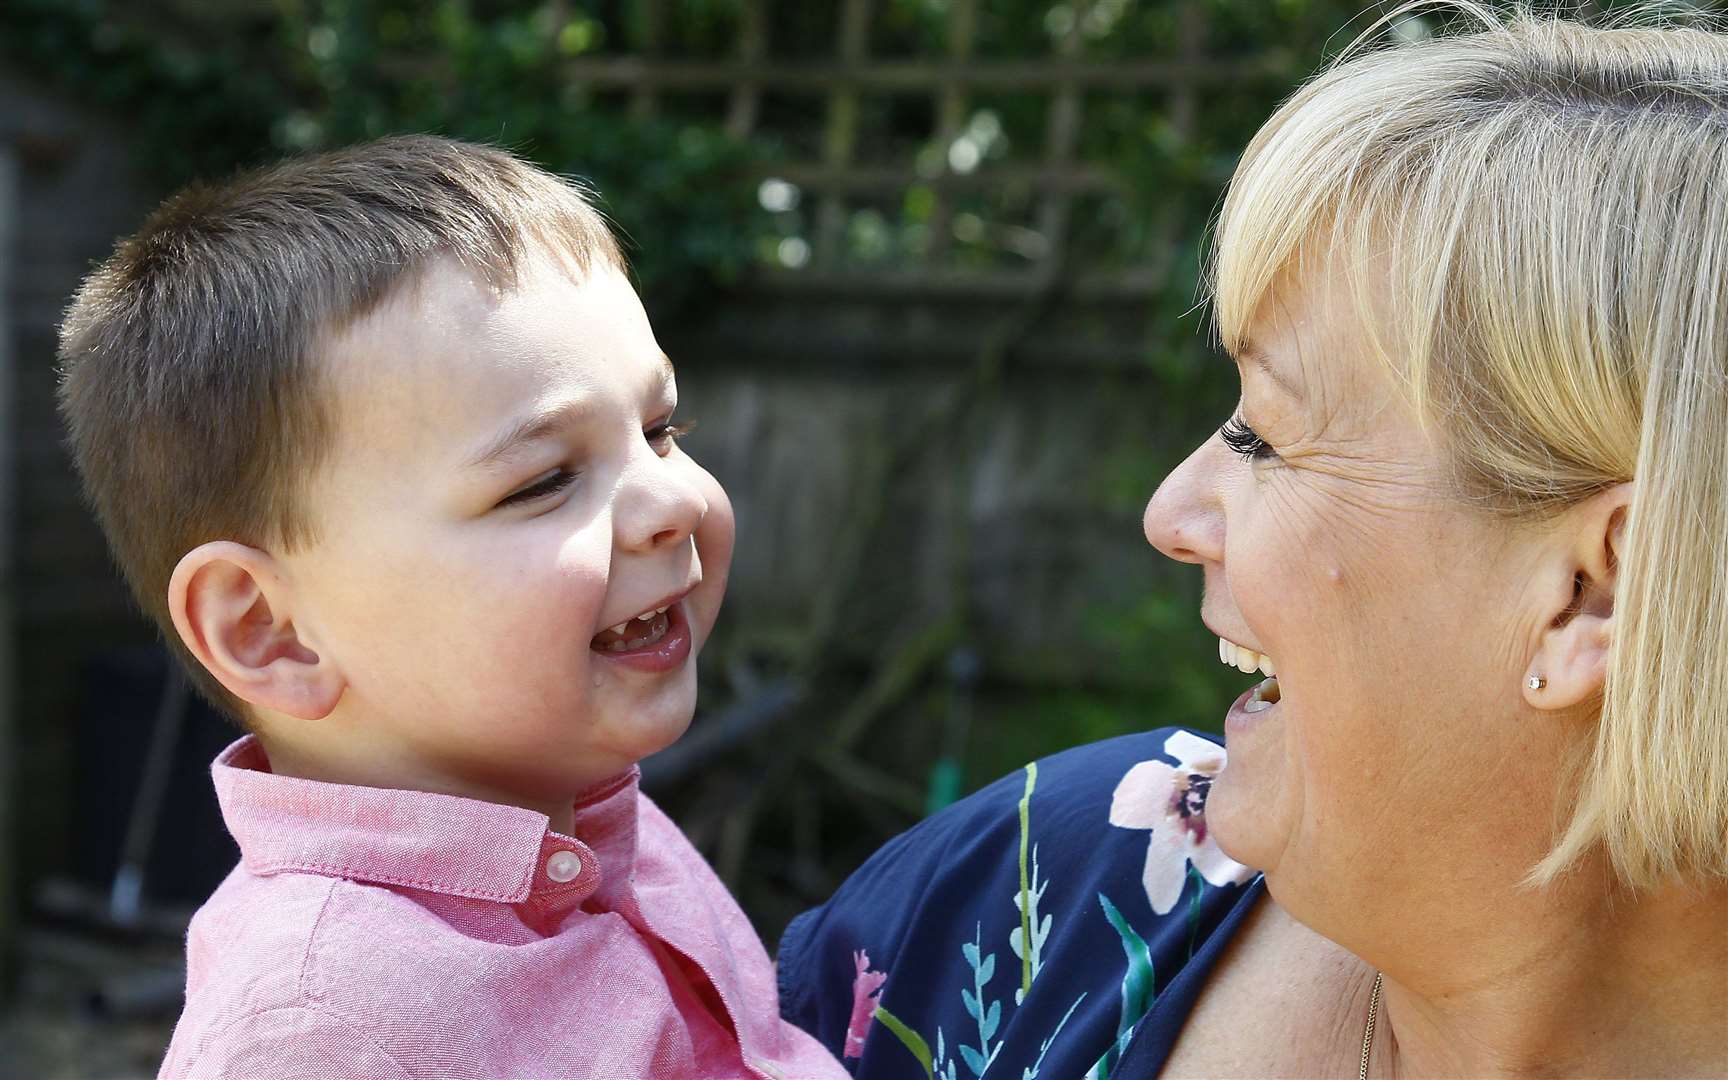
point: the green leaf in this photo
(910, 1039)
(1137, 985)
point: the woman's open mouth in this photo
(1263, 695)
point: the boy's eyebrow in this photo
(538, 425)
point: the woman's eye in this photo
(1241, 438)
(549, 485)
(661, 436)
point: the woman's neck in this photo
(1565, 985)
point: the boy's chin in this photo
(662, 722)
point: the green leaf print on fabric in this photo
(1031, 1071)
(908, 1038)
(1137, 992)
(1031, 927)
(987, 1013)
(945, 1067)
(1026, 939)
(1194, 910)
(1027, 899)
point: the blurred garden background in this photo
(928, 270)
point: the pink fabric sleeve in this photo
(289, 1042)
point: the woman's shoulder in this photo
(1040, 921)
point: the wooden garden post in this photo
(9, 765)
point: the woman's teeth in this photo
(1264, 697)
(1266, 694)
(1246, 661)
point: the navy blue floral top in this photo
(1058, 923)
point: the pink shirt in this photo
(399, 933)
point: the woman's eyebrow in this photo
(1250, 353)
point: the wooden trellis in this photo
(834, 180)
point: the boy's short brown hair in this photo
(190, 382)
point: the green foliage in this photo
(321, 74)
(190, 111)
(680, 190)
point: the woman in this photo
(1469, 519)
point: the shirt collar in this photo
(423, 840)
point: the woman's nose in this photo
(658, 506)
(1184, 518)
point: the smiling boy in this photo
(383, 441)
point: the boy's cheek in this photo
(714, 541)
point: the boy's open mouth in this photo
(642, 632)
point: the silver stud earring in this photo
(1536, 682)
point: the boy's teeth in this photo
(652, 636)
(649, 629)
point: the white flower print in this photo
(1171, 801)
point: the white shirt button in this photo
(563, 866)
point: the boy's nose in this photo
(657, 507)
(1185, 518)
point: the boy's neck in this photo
(403, 773)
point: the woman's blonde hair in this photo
(1550, 203)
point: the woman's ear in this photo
(235, 614)
(1572, 648)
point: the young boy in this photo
(383, 441)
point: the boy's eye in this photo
(662, 435)
(551, 484)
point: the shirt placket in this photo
(759, 1067)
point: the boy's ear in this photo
(1572, 649)
(235, 614)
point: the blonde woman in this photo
(1470, 521)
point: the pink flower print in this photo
(866, 984)
(1171, 801)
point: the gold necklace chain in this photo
(1368, 1032)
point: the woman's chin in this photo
(1240, 807)
(1222, 820)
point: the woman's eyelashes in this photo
(1244, 440)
